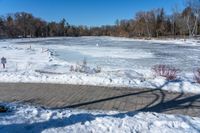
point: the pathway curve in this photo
(58, 96)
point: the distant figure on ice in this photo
(3, 62)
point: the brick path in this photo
(101, 98)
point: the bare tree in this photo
(191, 16)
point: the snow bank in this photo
(162, 41)
(24, 118)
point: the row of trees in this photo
(153, 23)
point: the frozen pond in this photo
(110, 61)
(113, 53)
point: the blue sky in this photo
(85, 12)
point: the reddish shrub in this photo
(197, 75)
(166, 71)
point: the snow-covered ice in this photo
(123, 62)
(25, 119)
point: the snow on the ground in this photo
(123, 62)
(163, 41)
(25, 119)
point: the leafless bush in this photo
(169, 72)
(197, 75)
(3, 109)
(98, 69)
(72, 68)
(84, 68)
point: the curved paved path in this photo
(100, 98)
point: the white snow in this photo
(162, 41)
(123, 62)
(28, 119)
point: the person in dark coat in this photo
(3, 62)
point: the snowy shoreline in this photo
(164, 40)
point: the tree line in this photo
(153, 23)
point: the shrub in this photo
(197, 75)
(98, 69)
(72, 68)
(84, 68)
(169, 72)
(3, 109)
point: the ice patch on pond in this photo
(112, 53)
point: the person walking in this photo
(3, 62)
